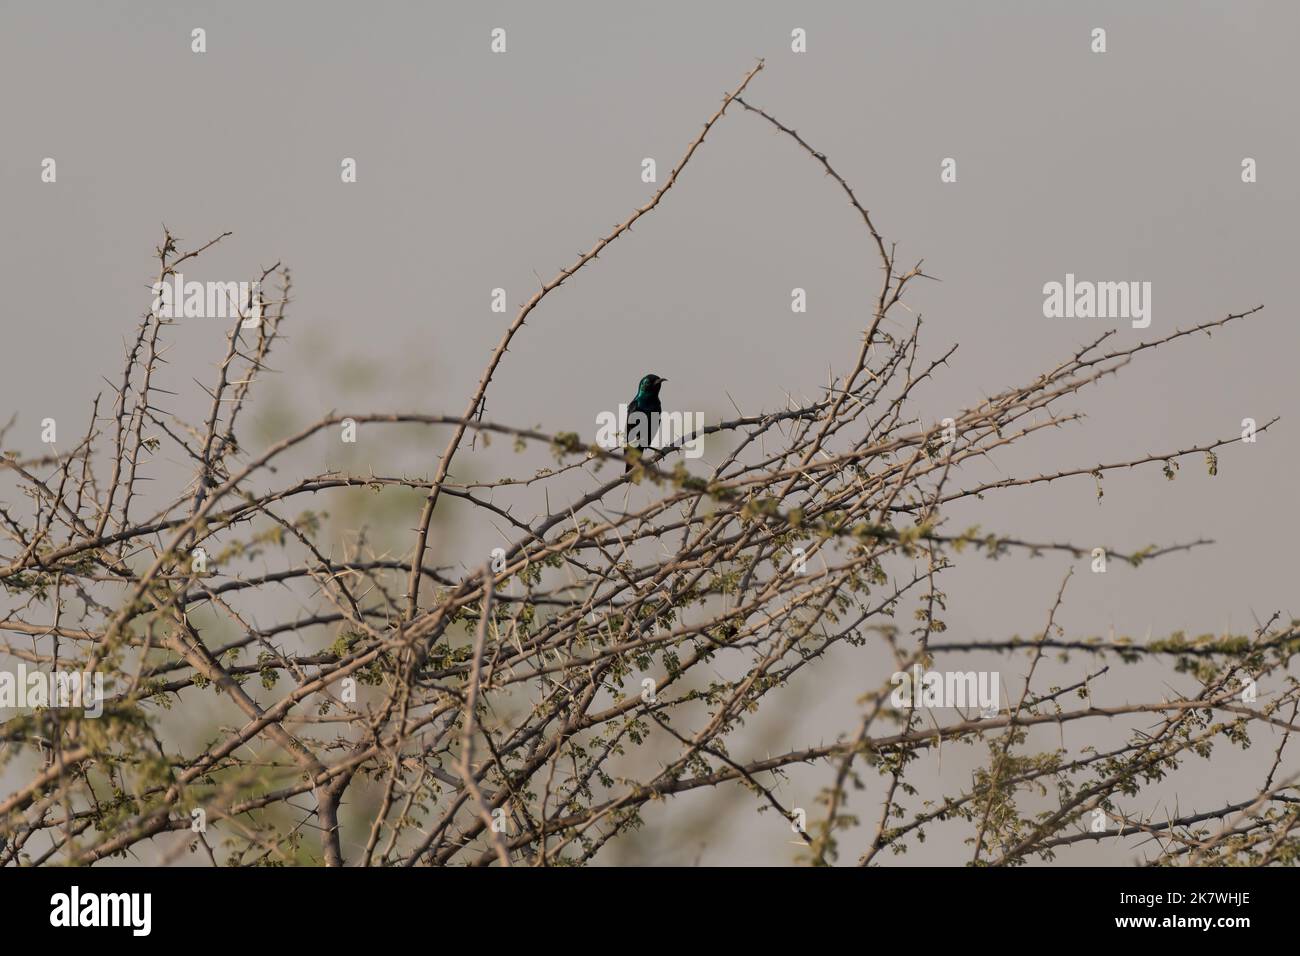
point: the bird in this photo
(643, 414)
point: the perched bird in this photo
(643, 414)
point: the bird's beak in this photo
(663, 380)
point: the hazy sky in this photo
(479, 170)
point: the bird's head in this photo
(650, 385)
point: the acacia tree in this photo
(505, 715)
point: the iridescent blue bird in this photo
(643, 414)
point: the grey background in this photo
(480, 170)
